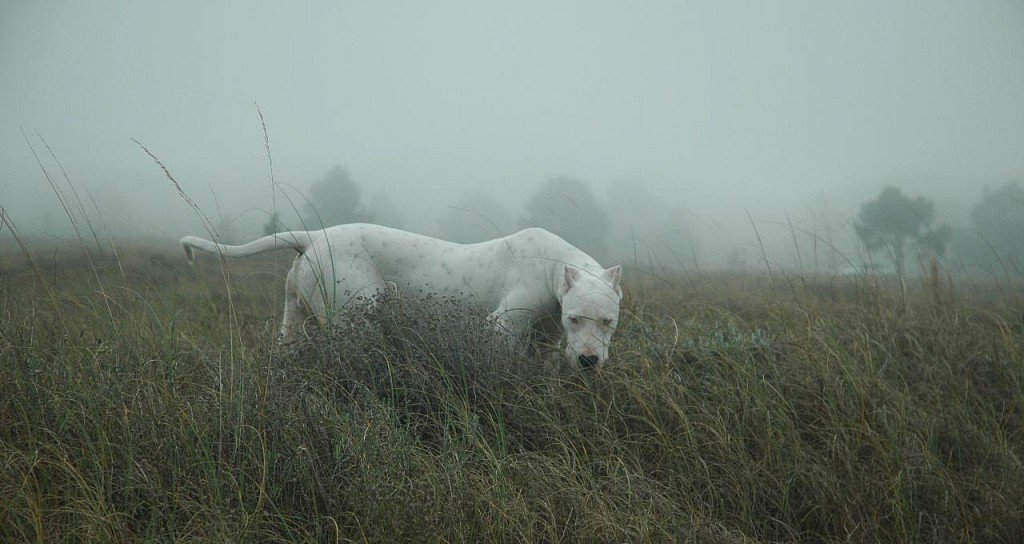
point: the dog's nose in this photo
(587, 361)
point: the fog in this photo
(697, 125)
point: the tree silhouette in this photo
(893, 221)
(273, 224)
(649, 228)
(999, 220)
(385, 212)
(568, 208)
(335, 200)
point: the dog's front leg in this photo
(513, 324)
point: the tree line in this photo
(896, 227)
(895, 230)
(564, 205)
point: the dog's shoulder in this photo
(537, 237)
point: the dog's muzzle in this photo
(587, 361)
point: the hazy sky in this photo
(717, 107)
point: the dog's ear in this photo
(613, 275)
(570, 278)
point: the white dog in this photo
(524, 280)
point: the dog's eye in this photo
(608, 322)
(574, 320)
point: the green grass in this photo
(148, 401)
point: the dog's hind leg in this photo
(296, 311)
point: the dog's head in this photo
(590, 313)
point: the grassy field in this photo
(141, 400)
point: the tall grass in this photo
(734, 410)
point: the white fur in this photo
(526, 281)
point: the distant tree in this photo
(335, 200)
(998, 219)
(273, 224)
(475, 217)
(893, 223)
(649, 228)
(568, 208)
(737, 259)
(385, 212)
(933, 242)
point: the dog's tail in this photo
(298, 241)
